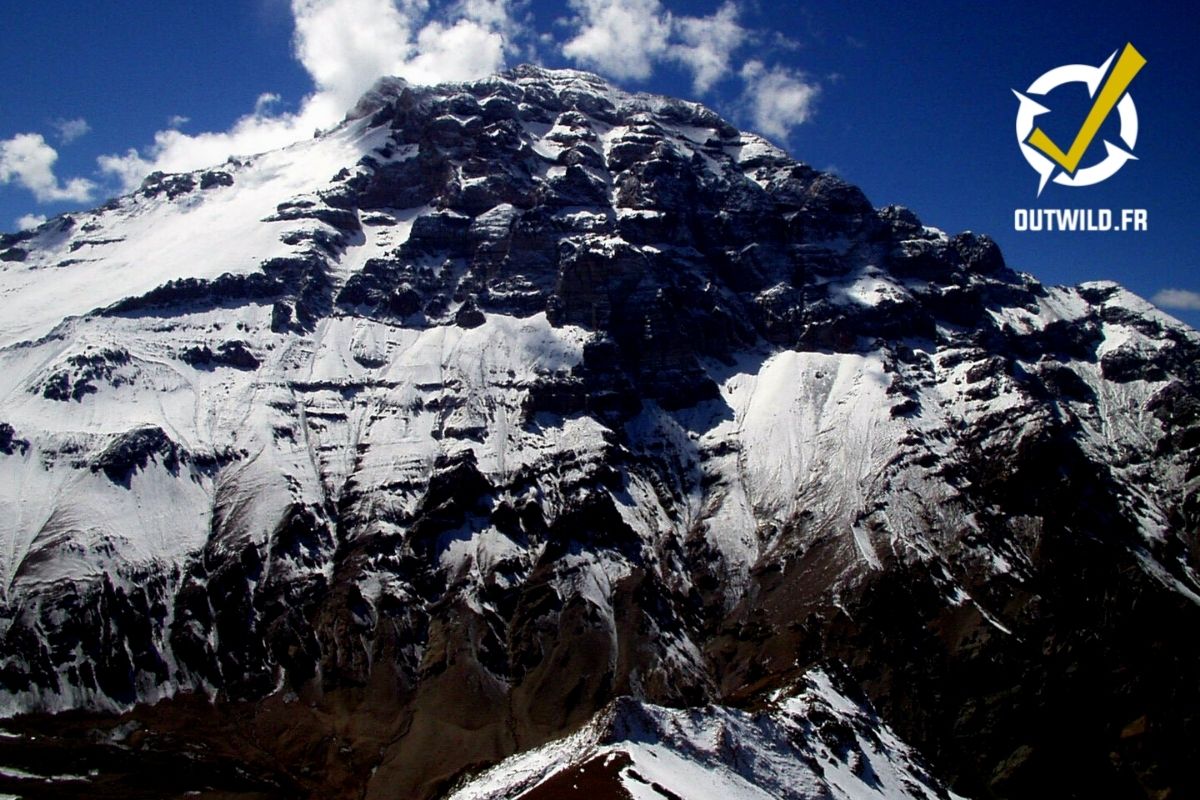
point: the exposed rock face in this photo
(416, 445)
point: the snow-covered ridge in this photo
(815, 742)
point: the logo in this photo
(1108, 89)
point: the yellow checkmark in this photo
(1128, 65)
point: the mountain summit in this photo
(529, 419)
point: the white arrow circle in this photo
(1029, 109)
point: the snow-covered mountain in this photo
(365, 464)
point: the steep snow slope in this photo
(171, 230)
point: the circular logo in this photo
(1108, 92)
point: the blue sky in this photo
(912, 102)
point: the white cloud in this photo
(626, 39)
(30, 221)
(621, 38)
(495, 15)
(71, 129)
(129, 168)
(708, 44)
(345, 45)
(28, 161)
(177, 121)
(457, 52)
(176, 151)
(778, 98)
(1181, 299)
(263, 104)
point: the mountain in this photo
(526, 408)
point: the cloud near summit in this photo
(346, 45)
(628, 38)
